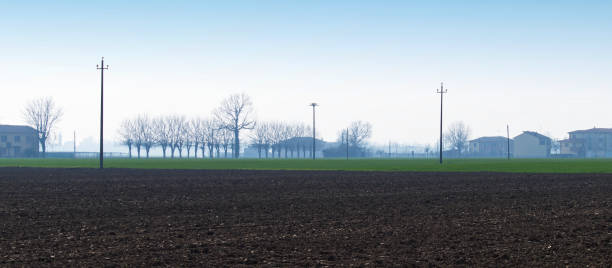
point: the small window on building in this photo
(3, 138)
(17, 138)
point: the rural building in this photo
(18, 141)
(531, 144)
(589, 143)
(490, 147)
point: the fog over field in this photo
(541, 66)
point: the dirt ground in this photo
(114, 217)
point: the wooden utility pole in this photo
(441, 91)
(347, 144)
(508, 133)
(101, 67)
(314, 135)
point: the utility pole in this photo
(101, 67)
(347, 144)
(441, 91)
(314, 135)
(508, 133)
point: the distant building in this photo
(18, 141)
(490, 147)
(531, 144)
(589, 143)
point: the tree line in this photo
(178, 136)
(216, 136)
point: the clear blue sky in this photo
(536, 65)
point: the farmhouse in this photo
(18, 141)
(589, 143)
(531, 144)
(490, 147)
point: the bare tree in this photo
(457, 136)
(210, 128)
(225, 138)
(299, 131)
(286, 135)
(138, 138)
(358, 133)
(42, 114)
(145, 134)
(202, 135)
(258, 138)
(276, 137)
(162, 133)
(179, 134)
(235, 114)
(195, 130)
(176, 126)
(188, 141)
(268, 140)
(126, 134)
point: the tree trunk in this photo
(138, 150)
(147, 149)
(130, 150)
(43, 144)
(195, 150)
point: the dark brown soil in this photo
(86, 217)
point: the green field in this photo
(451, 165)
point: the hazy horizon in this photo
(536, 66)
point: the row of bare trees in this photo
(176, 135)
(276, 137)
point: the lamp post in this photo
(314, 135)
(101, 67)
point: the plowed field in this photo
(121, 217)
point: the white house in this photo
(532, 145)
